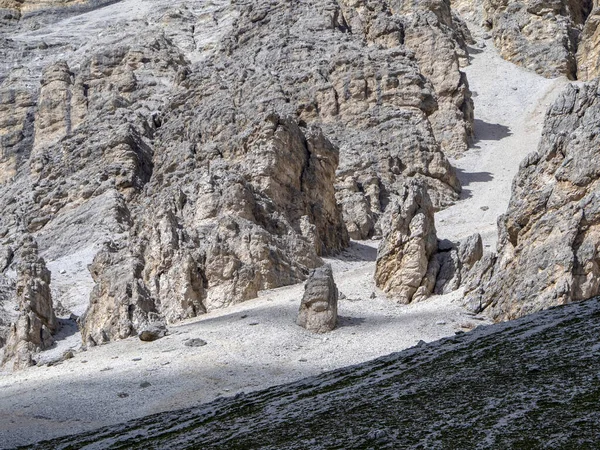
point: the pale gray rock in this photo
(455, 261)
(318, 309)
(540, 35)
(549, 239)
(408, 243)
(37, 321)
(206, 152)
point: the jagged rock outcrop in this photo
(588, 51)
(436, 36)
(540, 35)
(318, 309)
(37, 322)
(548, 252)
(453, 263)
(408, 244)
(256, 218)
(430, 30)
(201, 159)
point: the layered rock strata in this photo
(205, 152)
(552, 38)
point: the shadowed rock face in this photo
(208, 151)
(548, 253)
(588, 52)
(318, 310)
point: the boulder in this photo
(153, 331)
(318, 310)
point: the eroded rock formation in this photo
(588, 52)
(408, 244)
(540, 35)
(548, 253)
(37, 322)
(318, 309)
(453, 263)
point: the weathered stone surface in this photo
(549, 238)
(318, 309)
(33, 329)
(540, 35)
(432, 32)
(588, 51)
(409, 241)
(429, 30)
(205, 153)
(455, 262)
(153, 331)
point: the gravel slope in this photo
(530, 383)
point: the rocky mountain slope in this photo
(548, 253)
(160, 163)
(529, 383)
(552, 38)
(190, 160)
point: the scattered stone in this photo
(373, 295)
(195, 342)
(484, 208)
(318, 309)
(145, 384)
(122, 395)
(253, 324)
(153, 331)
(136, 359)
(441, 322)
(68, 354)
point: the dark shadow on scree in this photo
(485, 131)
